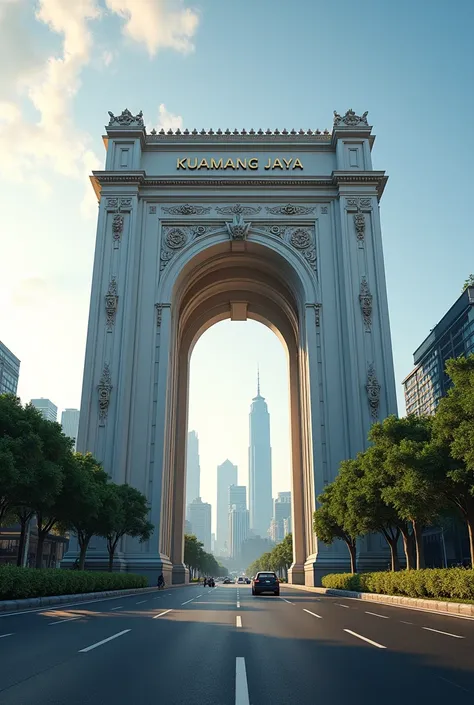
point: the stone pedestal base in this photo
(148, 564)
(296, 574)
(179, 574)
(317, 566)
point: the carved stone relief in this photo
(365, 300)
(174, 238)
(302, 238)
(317, 314)
(350, 119)
(126, 119)
(289, 209)
(118, 206)
(104, 388)
(238, 209)
(238, 229)
(373, 392)
(159, 313)
(187, 209)
(111, 302)
(359, 206)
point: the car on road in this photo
(265, 581)
(228, 581)
(241, 581)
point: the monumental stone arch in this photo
(197, 227)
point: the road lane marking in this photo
(116, 608)
(405, 622)
(241, 687)
(374, 614)
(338, 604)
(238, 621)
(313, 613)
(141, 602)
(290, 603)
(157, 598)
(187, 601)
(198, 596)
(238, 603)
(61, 621)
(364, 638)
(456, 685)
(104, 641)
(2, 636)
(161, 614)
(455, 636)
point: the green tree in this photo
(192, 552)
(469, 282)
(124, 512)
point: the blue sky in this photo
(213, 63)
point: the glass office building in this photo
(453, 336)
(9, 370)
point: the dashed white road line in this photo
(313, 613)
(403, 622)
(61, 621)
(338, 604)
(188, 601)
(198, 596)
(238, 603)
(112, 609)
(364, 638)
(438, 631)
(104, 641)
(161, 614)
(2, 636)
(241, 687)
(284, 600)
(141, 602)
(374, 614)
(238, 621)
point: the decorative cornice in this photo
(186, 136)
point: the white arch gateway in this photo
(195, 227)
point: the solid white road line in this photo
(313, 613)
(104, 641)
(455, 636)
(364, 638)
(61, 621)
(374, 614)
(238, 621)
(141, 602)
(188, 601)
(161, 614)
(2, 636)
(338, 604)
(290, 603)
(241, 687)
(112, 609)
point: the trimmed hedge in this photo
(19, 583)
(437, 583)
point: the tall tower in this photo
(226, 476)
(260, 466)
(193, 470)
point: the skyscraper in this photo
(260, 466)
(200, 518)
(238, 496)
(226, 476)
(9, 370)
(70, 423)
(48, 410)
(193, 470)
(238, 529)
(281, 514)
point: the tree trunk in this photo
(39, 548)
(22, 541)
(420, 552)
(470, 528)
(111, 546)
(393, 543)
(351, 545)
(408, 548)
(83, 545)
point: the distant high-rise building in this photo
(200, 518)
(48, 410)
(260, 466)
(253, 548)
(9, 370)
(213, 542)
(226, 476)
(287, 527)
(453, 336)
(188, 529)
(70, 423)
(193, 470)
(238, 529)
(238, 496)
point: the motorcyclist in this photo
(161, 580)
(205, 582)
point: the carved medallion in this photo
(176, 239)
(301, 239)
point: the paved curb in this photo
(34, 602)
(459, 609)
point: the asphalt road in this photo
(221, 646)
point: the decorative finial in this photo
(126, 119)
(350, 119)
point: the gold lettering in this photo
(181, 163)
(241, 163)
(277, 164)
(288, 162)
(203, 164)
(253, 163)
(229, 163)
(268, 166)
(192, 166)
(216, 165)
(297, 164)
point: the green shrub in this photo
(439, 583)
(18, 583)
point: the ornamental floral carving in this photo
(176, 238)
(104, 388)
(238, 209)
(350, 119)
(238, 229)
(117, 229)
(358, 206)
(126, 119)
(111, 302)
(301, 239)
(159, 313)
(365, 300)
(187, 209)
(359, 224)
(373, 392)
(317, 314)
(290, 209)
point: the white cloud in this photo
(167, 120)
(159, 24)
(107, 57)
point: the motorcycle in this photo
(211, 583)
